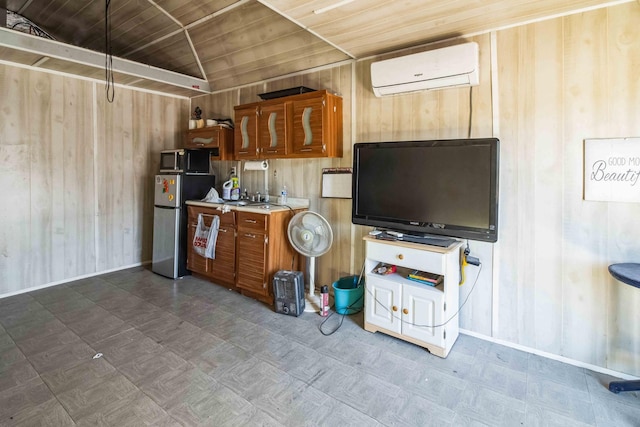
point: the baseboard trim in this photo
(71, 279)
(552, 356)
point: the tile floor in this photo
(188, 352)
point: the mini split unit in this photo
(453, 66)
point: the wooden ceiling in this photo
(230, 43)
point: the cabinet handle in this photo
(306, 149)
(223, 230)
(253, 236)
(394, 308)
(405, 311)
(400, 256)
(251, 221)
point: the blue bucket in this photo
(348, 297)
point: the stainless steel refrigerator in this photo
(170, 220)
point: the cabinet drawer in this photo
(252, 221)
(405, 257)
(207, 218)
(227, 219)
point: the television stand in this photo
(420, 314)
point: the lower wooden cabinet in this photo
(252, 243)
(221, 269)
(251, 249)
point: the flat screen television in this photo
(437, 187)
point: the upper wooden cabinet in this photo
(306, 125)
(217, 138)
(317, 126)
(272, 127)
(245, 145)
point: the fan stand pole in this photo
(312, 300)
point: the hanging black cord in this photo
(375, 300)
(345, 311)
(418, 325)
(108, 57)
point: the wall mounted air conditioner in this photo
(452, 66)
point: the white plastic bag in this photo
(201, 237)
(210, 251)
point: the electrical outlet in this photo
(233, 170)
(275, 173)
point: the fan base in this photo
(312, 303)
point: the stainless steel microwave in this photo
(192, 162)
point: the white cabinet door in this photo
(382, 303)
(422, 309)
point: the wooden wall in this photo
(545, 284)
(560, 82)
(76, 174)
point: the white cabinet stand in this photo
(414, 312)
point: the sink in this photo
(249, 203)
(263, 205)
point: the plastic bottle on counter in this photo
(283, 195)
(324, 301)
(235, 188)
(226, 190)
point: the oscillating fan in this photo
(311, 235)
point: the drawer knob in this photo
(394, 308)
(400, 256)
(405, 311)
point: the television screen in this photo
(442, 187)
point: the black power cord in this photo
(108, 56)
(345, 311)
(430, 326)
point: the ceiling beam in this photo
(54, 49)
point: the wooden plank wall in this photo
(562, 81)
(544, 285)
(61, 217)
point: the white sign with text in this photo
(612, 169)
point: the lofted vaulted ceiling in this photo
(229, 43)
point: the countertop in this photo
(256, 207)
